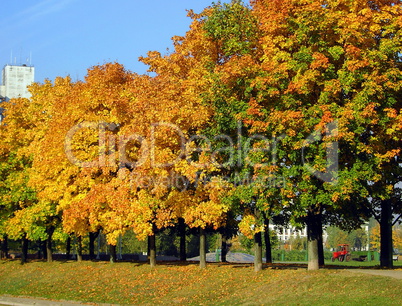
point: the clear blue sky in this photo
(66, 37)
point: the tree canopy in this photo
(287, 109)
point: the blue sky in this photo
(66, 37)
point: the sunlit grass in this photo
(219, 284)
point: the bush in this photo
(295, 255)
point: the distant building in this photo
(15, 79)
(285, 234)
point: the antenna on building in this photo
(30, 58)
(11, 57)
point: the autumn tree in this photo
(234, 31)
(72, 162)
(113, 150)
(397, 237)
(325, 72)
(375, 237)
(29, 218)
(15, 196)
(189, 66)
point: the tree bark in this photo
(182, 235)
(203, 249)
(320, 242)
(4, 247)
(152, 250)
(148, 248)
(79, 248)
(92, 238)
(386, 235)
(42, 246)
(258, 252)
(68, 247)
(267, 240)
(224, 248)
(312, 241)
(24, 249)
(49, 252)
(39, 254)
(112, 251)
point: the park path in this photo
(27, 301)
(389, 273)
(24, 301)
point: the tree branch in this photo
(396, 220)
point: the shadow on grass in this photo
(235, 265)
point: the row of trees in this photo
(281, 110)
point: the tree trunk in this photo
(92, 238)
(386, 235)
(39, 254)
(68, 247)
(203, 249)
(257, 252)
(79, 248)
(312, 241)
(224, 248)
(312, 249)
(148, 248)
(4, 247)
(182, 235)
(42, 246)
(267, 240)
(112, 251)
(152, 250)
(24, 249)
(49, 253)
(320, 242)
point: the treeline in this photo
(277, 111)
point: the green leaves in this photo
(234, 27)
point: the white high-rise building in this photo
(15, 79)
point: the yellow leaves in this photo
(388, 155)
(335, 196)
(332, 86)
(112, 237)
(161, 112)
(375, 237)
(143, 230)
(205, 214)
(28, 219)
(397, 236)
(237, 67)
(206, 207)
(249, 226)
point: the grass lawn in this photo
(219, 284)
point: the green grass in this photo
(219, 284)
